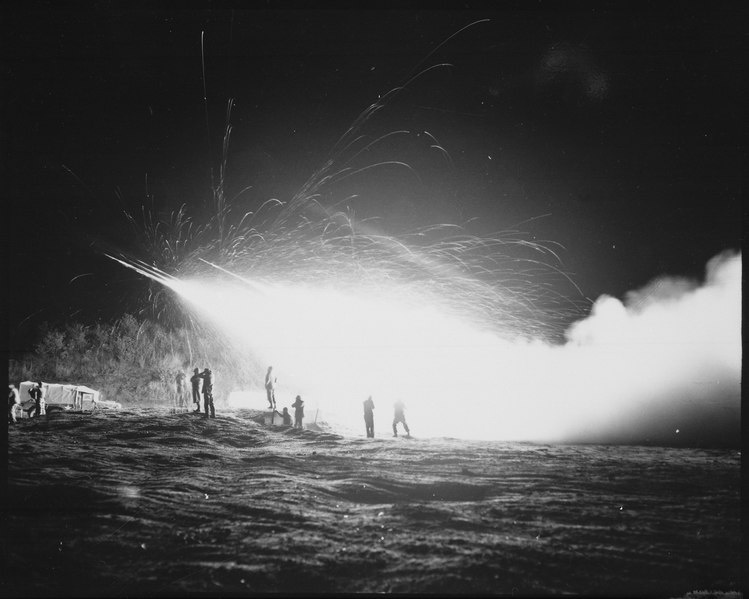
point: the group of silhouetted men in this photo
(398, 418)
(298, 406)
(202, 382)
(14, 402)
(270, 390)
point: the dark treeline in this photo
(131, 360)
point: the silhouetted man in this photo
(207, 377)
(14, 402)
(180, 383)
(37, 394)
(270, 388)
(399, 417)
(195, 380)
(298, 406)
(369, 416)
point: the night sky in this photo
(611, 129)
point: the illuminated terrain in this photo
(146, 502)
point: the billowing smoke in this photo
(665, 364)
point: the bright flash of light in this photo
(335, 348)
(627, 369)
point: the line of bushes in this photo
(134, 361)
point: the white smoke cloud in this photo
(666, 359)
(663, 367)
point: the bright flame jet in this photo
(667, 363)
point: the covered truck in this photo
(65, 397)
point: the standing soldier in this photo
(37, 394)
(207, 377)
(400, 417)
(14, 403)
(369, 416)
(179, 400)
(298, 406)
(270, 387)
(195, 380)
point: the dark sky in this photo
(618, 124)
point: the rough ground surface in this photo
(146, 502)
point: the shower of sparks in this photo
(343, 311)
(337, 340)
